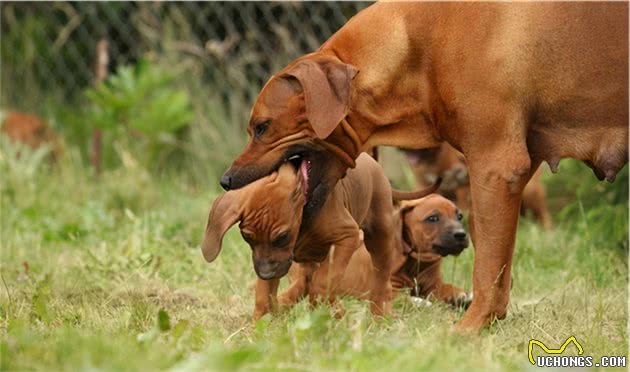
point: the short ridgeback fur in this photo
(508, 84)
(426, 230)
(270, 215)
(446, 162)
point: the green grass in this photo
(105, 273)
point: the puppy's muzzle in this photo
(461, 236)
(452, 243)
(272, 269)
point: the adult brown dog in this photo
(507, 84)
(270, 215)
(449, 164)
(426, 229)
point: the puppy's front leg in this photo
(429, 283)
(301, 275)
(380, 244)
(328, 279)
(266, 297)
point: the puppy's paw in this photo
(420, 302)
(463, 300)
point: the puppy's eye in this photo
(281, 240)
(433, 218)
(460, 216)
(260, 129)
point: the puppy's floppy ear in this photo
(326, 85)
(405, 207)
(287, 173)
(225, 212)
(292, 180)
(406, 234)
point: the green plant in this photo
(598, 208)
(141, 108)
(141, 98)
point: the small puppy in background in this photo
(426, 230)
(446, 162)
(432, 228)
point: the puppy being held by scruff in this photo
(427, 229)
(358, 211)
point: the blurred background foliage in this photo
(183, 75)
(181, 82)
(141, 108)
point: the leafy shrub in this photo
(142, 98)
(138, 108)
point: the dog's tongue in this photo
(305, 167)
(412, 157)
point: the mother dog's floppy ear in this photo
(326, 85)
(225, 212)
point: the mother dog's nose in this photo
(460, 235)
(226, 182)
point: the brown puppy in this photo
(508, 84)
(30, 130)
(427, 229)
(431, 229)
(270, 215)
(535, 200)
(446, 162)
(443, 161)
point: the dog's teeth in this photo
(294, 157)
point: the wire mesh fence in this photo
(232, 47)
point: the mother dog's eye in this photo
(281, 240)
(433, 218)
(260, 129)
(460, 216)
(247, 237)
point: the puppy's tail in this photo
(398, 195)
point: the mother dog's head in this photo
(294, 119)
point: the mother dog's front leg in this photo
(497, 179)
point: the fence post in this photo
(100, 73)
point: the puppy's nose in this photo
(460, 235)
(267, 269)
(226, 182)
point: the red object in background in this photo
(30, 130)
